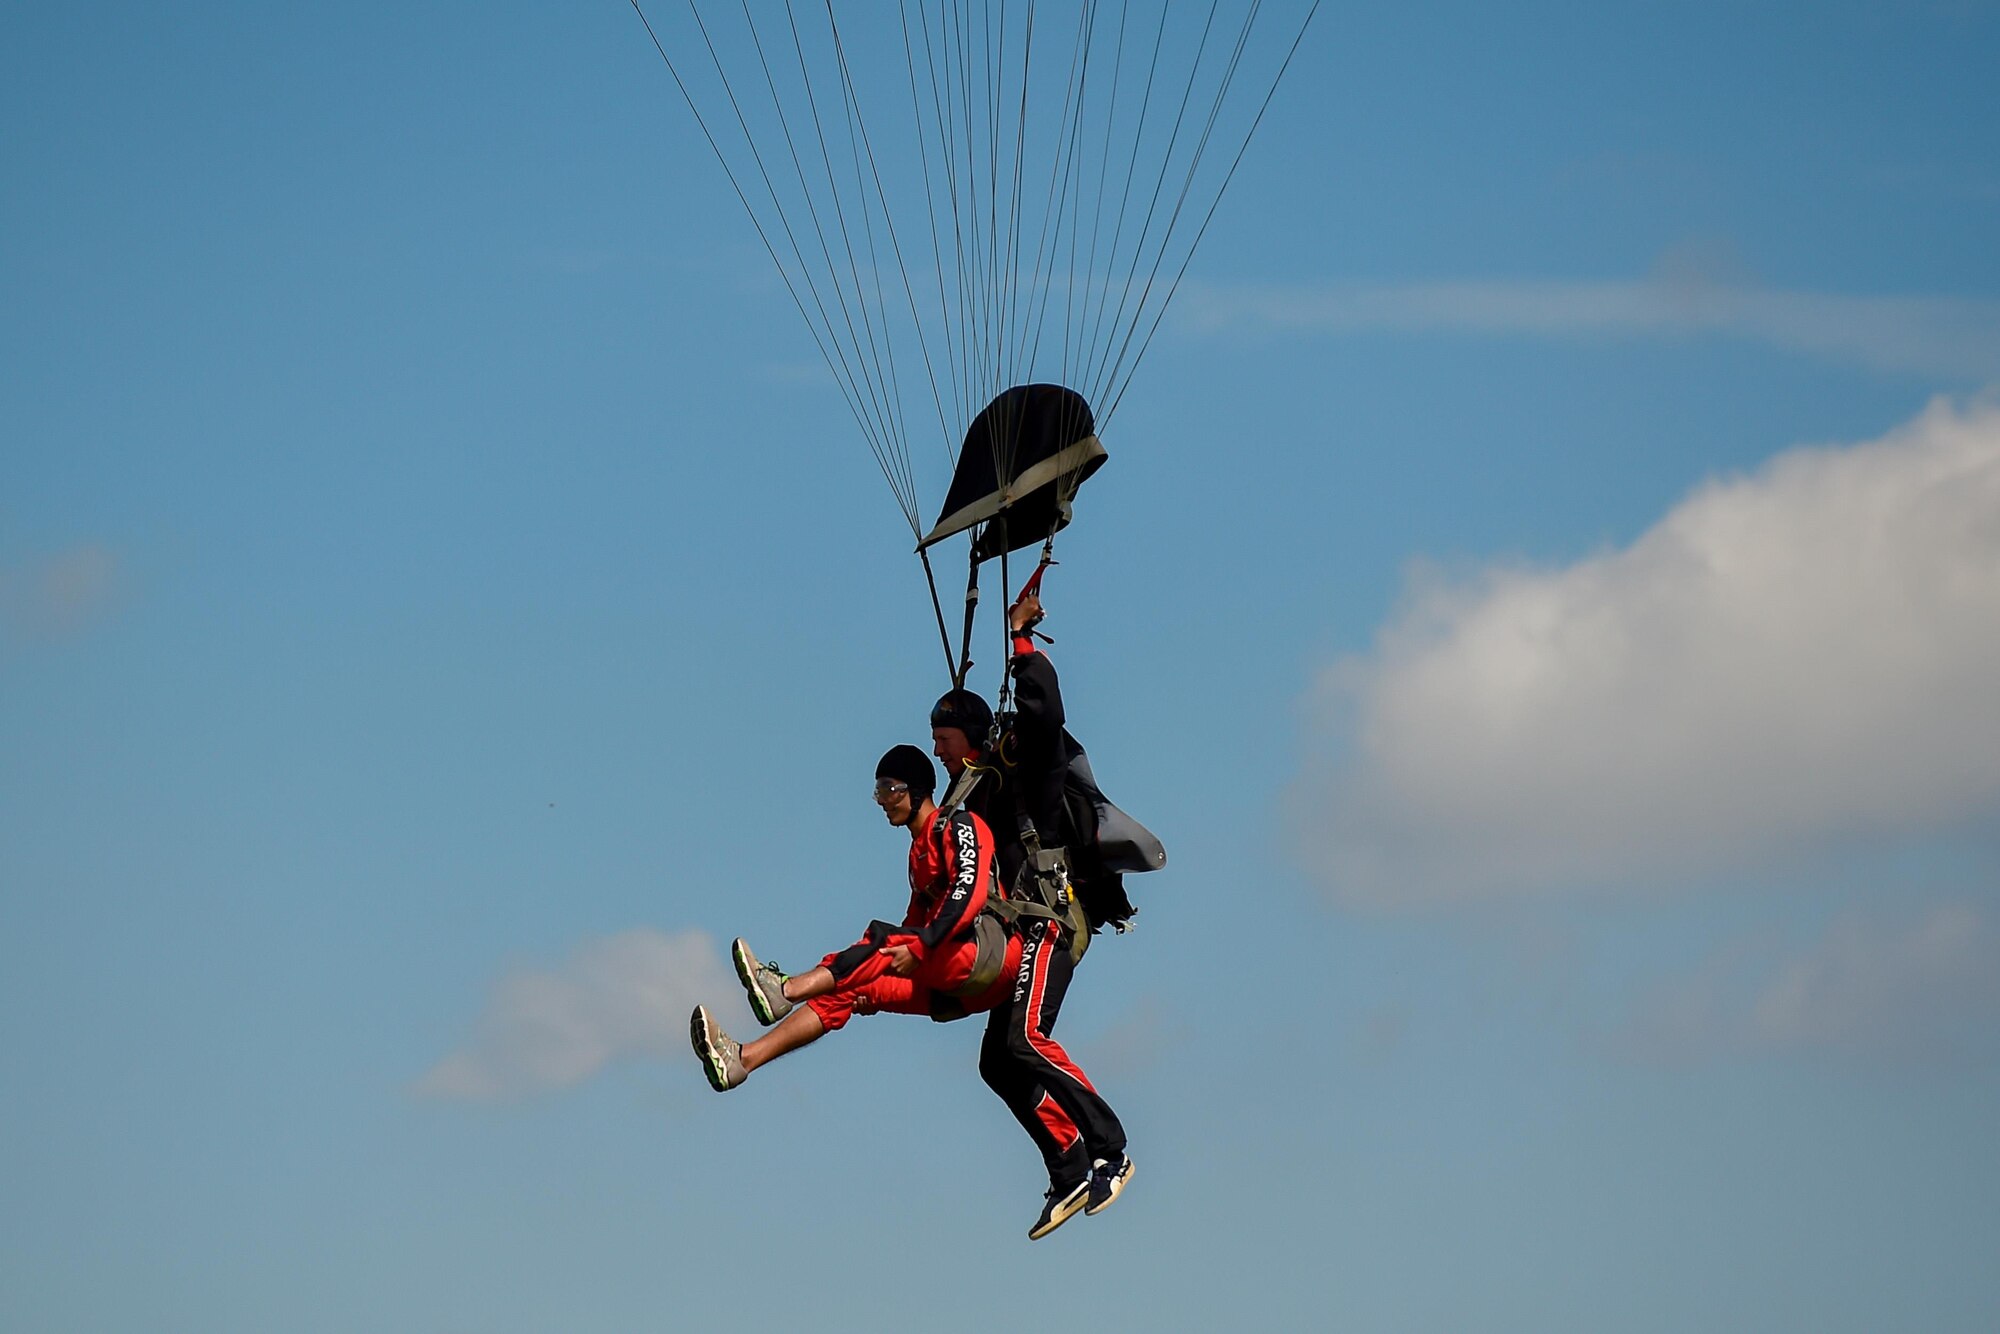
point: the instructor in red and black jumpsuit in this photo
(1080, 1137)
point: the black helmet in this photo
(966, 711)
(907, 764)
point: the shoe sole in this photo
(1117, 1189)
(712, 1065)
(746, 973)
(1065, 1211)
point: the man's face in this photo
(951, 748)
(895, 800)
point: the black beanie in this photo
(907, 764)
(968, 712)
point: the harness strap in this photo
(1045, 892)
(968, 779)
(1011, 911)
(989, 936)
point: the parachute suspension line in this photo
(873, 429)
(1077, 150)
(1071, 357)
(1194, 165)
(1048, 243)
(1153, 202)
(958, 89)
(888, 390)
(858, 130)
(977, 109)
(777, 205)
(875, 388)
(987, 126)
(997, 189)
(1070, 208)
(1244, 147)
(937, 248)
(991, 294)
(957, 33)
(944, 112)
(1005, 443)
(1010, 306)
(985, 269)
(1124, 199)
(975, 295)
(834, 356)
(937, 606)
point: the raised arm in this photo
(1037, 694)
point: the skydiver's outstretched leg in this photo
(728, 1062)
(773, 993)
(795, 1030)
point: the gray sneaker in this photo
(721, 1055)
(765, 983)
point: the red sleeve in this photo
(927, 871)
(968, 861)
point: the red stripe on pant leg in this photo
(1047, 1047)
(1057, 1123)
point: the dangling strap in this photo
(1034, 584)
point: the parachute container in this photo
(1023, 459)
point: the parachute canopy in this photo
(960, 198)
(980, 203)
(1023, 459)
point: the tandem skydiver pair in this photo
(971, 940)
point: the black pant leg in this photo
(1054, 1134)
(1066, 1093)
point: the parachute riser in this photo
(1003, 715)
(937, 606)
(1006, 697)
(964, 667)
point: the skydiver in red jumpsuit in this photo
(931, 964)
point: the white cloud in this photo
(1922, 989)
(60, 594)
(620, 996)
(1948, 336)
(1806, 655)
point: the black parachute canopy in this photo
(1023, 459)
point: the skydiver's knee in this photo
(996, 1063)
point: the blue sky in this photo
(1543, 593)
